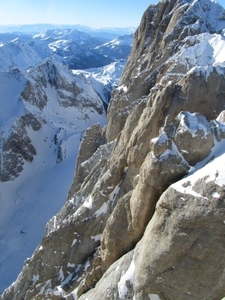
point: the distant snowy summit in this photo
(76, 49)
(106, 32)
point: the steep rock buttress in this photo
(131, 226)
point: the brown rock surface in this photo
(127, 231)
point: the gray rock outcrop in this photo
(17, 147)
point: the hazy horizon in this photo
(94, 14)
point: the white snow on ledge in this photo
(122, 88)
(127, 277)
(212, 167)
(88, 202)
(153, 297)
(97, 237)
(207, 51)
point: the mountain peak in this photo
(165, 26)
(144, 218)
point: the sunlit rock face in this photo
(144, 218)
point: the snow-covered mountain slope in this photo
(104, 79)
(144, 217)
(76, 49)
(68, 34)
(118, 48)
(9, 36)
(78, 55)
(22, 52)
(45, 111)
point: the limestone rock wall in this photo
(131, 226)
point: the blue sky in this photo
(93, 13)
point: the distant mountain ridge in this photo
(74, 48)
(106, 32)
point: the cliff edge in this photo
(145, 214)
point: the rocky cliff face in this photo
(144, 218)
(37, 97)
